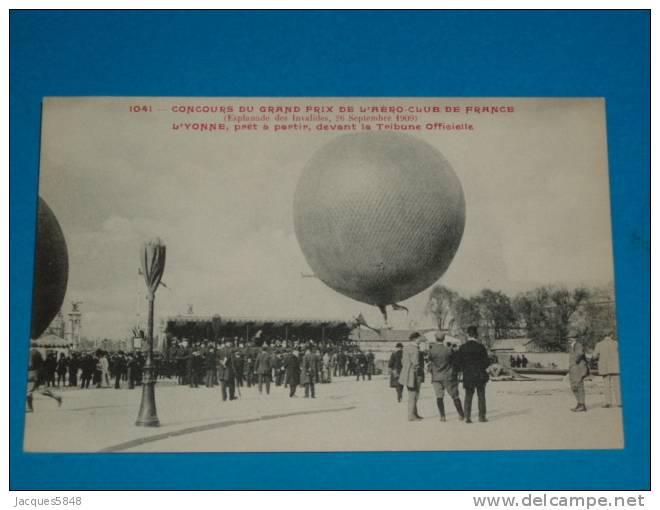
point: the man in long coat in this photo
(412, 374)
(443, 376)
(607, 354)
(360, 361)
(310, 373)
(210, 366)
(226, 372)
(578, 370)
(472, 359)
(292, 368)
(263, 367)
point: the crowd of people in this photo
(229, 363)
(232, 364)
(90, 369)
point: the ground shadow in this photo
(211, 426)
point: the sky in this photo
(535, 183)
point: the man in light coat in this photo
(412, 374)
(607, 354)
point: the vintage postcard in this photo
(323, 274)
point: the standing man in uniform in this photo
(578, 370)
(196, 369)
(292, 367)
(276, 361)
(371, 364)
(118, 368)
(210, 366)
(263, 367)
(607, 354)
(310, 373)
(394, 365)
(74, 365)
(412, 374)
(341, 364)
(472, 359)
(226, 372)
(360, 365)
(443, 375)
(248, 367)
(238, 367)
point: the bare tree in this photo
(441, 305)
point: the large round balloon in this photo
(51, 270)
(379, 216)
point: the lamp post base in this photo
(148, 417)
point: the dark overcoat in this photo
(264, 364)
(395, 367)
(292, 367)
(472, 359)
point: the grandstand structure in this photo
(212, 328)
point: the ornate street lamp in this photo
(152, 262)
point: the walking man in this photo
(35, 379)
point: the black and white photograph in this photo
(292, 274)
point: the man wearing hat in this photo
(226, 372)
(472, 359)
(210, 366)
(394, 365)
(443, 375)
(292, 367)
(607, 354)
(412, 374)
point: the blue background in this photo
(453, 53)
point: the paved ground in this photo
(346, 415)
